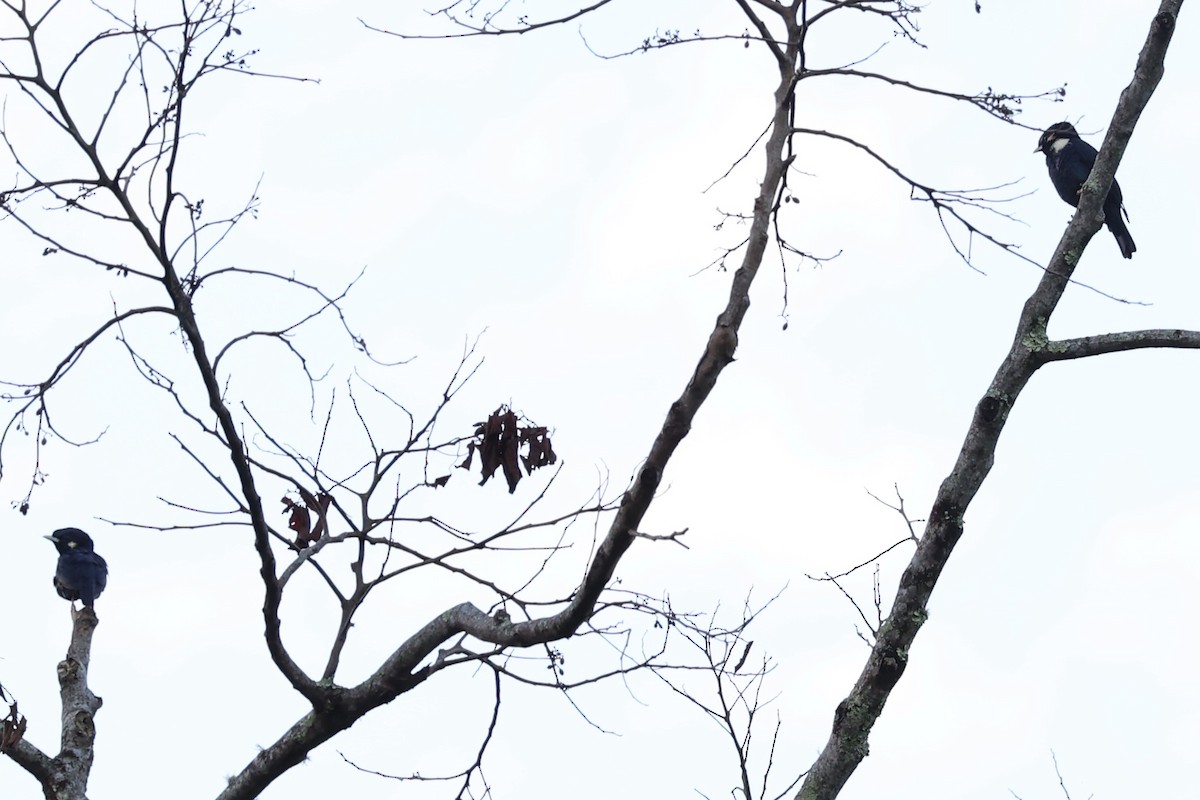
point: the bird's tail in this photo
(1124, 239)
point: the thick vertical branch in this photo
(65, 776)
(855, 715)
(73, 764)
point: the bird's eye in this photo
(70, 544)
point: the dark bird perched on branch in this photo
(81, 573)
(1070, 161)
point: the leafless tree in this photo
(347, 522)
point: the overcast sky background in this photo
(526, 188)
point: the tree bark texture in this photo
(65, 776)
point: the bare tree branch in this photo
(486, 27)
(996, 104)
(66, 774)
(1085, 346)
(857, 713)
(764, 31)
(401, 672)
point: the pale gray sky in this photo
(526, 187)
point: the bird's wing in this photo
(1078, 158)
(101, 573)
(1072, 166)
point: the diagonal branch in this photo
(778, 8)
(857, 713)
(31, 759)
(763, 30)
(339, 708)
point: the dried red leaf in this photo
(319, 504)
(499, 442)
(470, 452)
(13, 729)
(300, 517)
(540, 453)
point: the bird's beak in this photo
(51, 538)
